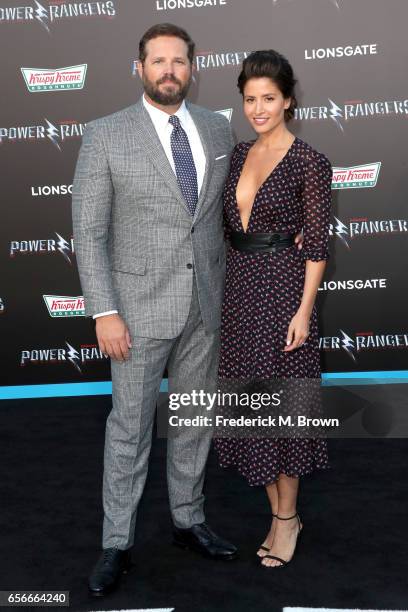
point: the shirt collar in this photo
(160, 118)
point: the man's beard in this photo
(169, 97)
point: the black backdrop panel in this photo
(80, 58)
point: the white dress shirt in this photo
(160, 120)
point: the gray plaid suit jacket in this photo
(135, 239)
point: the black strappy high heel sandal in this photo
(284, 562)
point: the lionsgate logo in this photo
(55, 11)
(42, 246)
(50, 190)
(352, 109)
(65, 306)
(171, 5)
(327, 53)
(356, 177)
(61, 355)
(363, 341)
(57, 134)
(54, 79)
(352, 285)
(363, 227)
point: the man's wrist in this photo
(104, 314)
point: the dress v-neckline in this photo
(260, 186)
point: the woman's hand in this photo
(299, 240)
(298, 330)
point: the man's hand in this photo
(299, 240)
(113, 336)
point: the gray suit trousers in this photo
(192, 361)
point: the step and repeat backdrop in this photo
(65, 63)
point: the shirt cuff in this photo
(102, 314)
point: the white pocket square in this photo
(220, 157)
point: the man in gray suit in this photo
(147, 218)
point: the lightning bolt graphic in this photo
(73, 354)
(53, 134)
(63, 247)
(341, 231)
(41, 13)
(336, 113)
(348, 344)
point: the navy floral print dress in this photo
(263, 293)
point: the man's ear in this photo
(140, 69)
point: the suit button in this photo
(189, 266)
(192, 230)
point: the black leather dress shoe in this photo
(202, 539)
(106, 573)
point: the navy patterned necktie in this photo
(184, 163)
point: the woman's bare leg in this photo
(272, 492)
(285, 533)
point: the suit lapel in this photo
(155, 151)
(205, 136)
(158, 157)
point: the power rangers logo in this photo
(45, 245)
(46, 15)
(78, 358)
(353, 109)
(209, 59)
(56, 134)
(206, 60)
(362, 341)
(360, 227)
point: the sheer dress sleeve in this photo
(316, 197)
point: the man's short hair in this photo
(166, 29)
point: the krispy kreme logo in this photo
(54, 79)
(355, 177)
(64, 306)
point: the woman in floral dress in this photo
(278, 185)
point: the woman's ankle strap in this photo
(284, 518)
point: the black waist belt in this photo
(261, 243)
